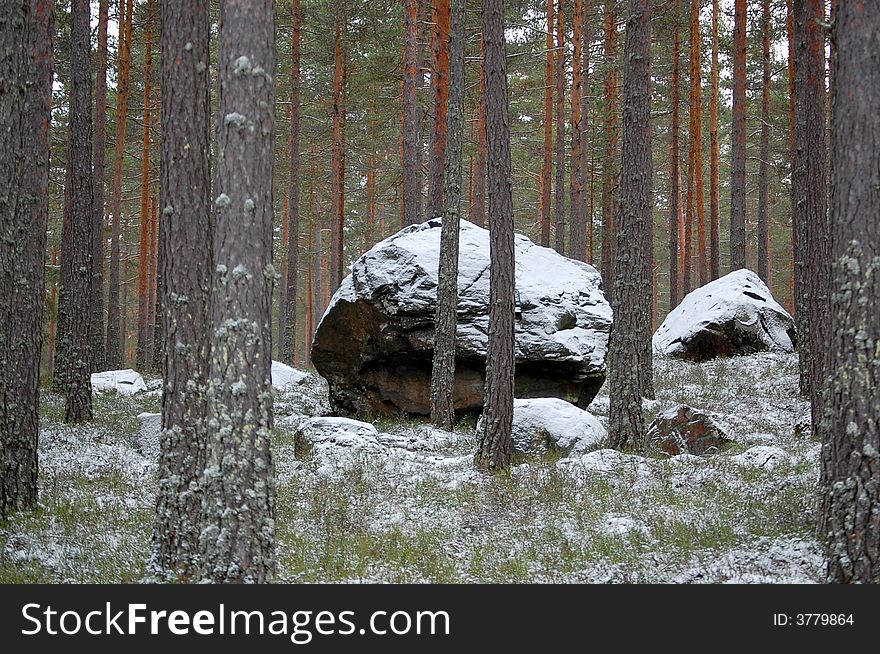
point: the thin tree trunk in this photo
(440, 92)
(337, 262)
(143, 296)
(764, 166)
(238, 512)
(411, 162)
(632, 326)
(674, 167)
(496, 443)
(443, 368)
(186, 265)
(559, 227)
(849, 428)
(27, 32)
(738, 142)
(609, 166)
(478, 206)
(547, 165)
(794, 284)
(714, 159)
(577, 247)
(99, 157)
(151, 279)
(697, 108)
(289, 342)
(113, 348)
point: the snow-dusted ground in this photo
(406, 504)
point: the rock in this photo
(735, 314)
(761, 456)
(683, 429)
(124, 382)
(285, 378)
(339, 432)
(375, 342)
(541, 425)
(149, 435)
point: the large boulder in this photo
(546, 424)
(735, 314)
(375, 342)
(124, 382)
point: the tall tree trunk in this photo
(27, 32)
(337, 190)
(151, 277)
(159, 316)
(794, 284)
(632, 326)
(674, 167)
(738, 141)
(76, 270)
(809, 194)
(609, 165)
(560, 130)
(764, 165)
(53, 314)
(849, 429)
(238, 513)
(496, 442)
(411, 162)
(440, 92)
(99, 157)
(547, 165)
(714, 159)
(577, 247)
(697, 108)
(478, 206)
(186, 264)
(143, 295)
(443, 368)
(113, 348)
(289, 344)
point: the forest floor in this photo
(410, 508)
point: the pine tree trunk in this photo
(440, 101)
(674, 167)
(113, 347)
(849, 429)
(496, 443)
(143, 295)
(632, 325)
(186, 265)
(289, 342)
(609, 163)
(559, 215)
(794, 284)
(238, 512)
(809, 195)
(738, 142)
(764, 165)
(27, 32)
(478, 206)
(443, 368)
(76, 271)
(411, 162)
(697, 108)
(337, 256)
(99, 157)
(714, 159)
(577, 246)
(547, 165)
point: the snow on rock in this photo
(683, 429)
(548, 423)
(375, 342)
(606, 461)
(735, 314)
(285, 378)
(766, 457)
(149, 435)
(339, 432)
(124, 382)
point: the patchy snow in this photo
(740, 298)
(284, 377)
(761, 456)
(149, 436)
(124, 382)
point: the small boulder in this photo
(735, 314)
(685, 430)
(149, 435)
(124, 382)
(285, 378)
(338, 432)
(545, 424)
(765, 457)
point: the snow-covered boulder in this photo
(765, 457)
(735, 314)
(339, 432)
(149, 435)
(124, 382)
(548, 423)
(285, 378)
(375, 342)
(685, 430)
